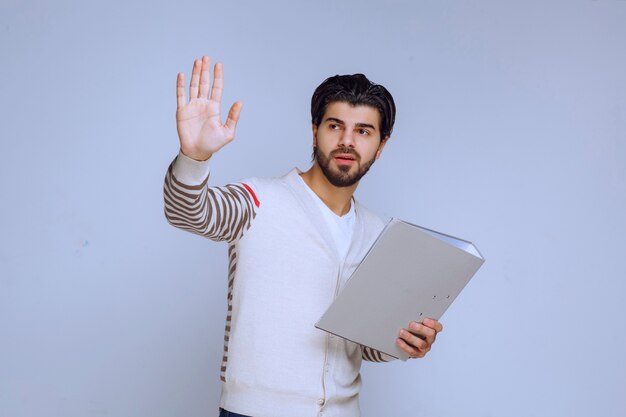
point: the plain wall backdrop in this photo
(510, 132)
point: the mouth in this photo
(345, 154)
(345, 159)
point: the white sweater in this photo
(284, 272)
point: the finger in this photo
(433, 324)
(233, 115)
(180, 90)
(218, 82)
(413, 340)
(422, 331)
(195, 77)
(205, 77)
(410, 350)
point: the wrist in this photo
(190, 171)
(196, 156)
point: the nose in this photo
(347, 139)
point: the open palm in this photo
(199, 121)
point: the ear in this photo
(314, 128)
(381, 146)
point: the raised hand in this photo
(199, 121)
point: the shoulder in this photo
(261, 188)
(266, 183)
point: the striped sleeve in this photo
(219, 213)
(373, 355)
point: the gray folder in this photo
(410, 273)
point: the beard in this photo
(341, 175)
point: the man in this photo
(293, 242)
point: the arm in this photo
(220, 213)
(373, 355)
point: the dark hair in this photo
(355, 89)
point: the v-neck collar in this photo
(312, 210)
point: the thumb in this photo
(233, 115)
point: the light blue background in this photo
(510, 132)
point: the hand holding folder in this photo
(417, 339)
(409, 274)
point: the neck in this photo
(338, 199)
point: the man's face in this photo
(347, 142)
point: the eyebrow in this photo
(341, 122)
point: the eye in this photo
(333, 126)
(364, 132)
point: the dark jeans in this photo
(224, 413)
